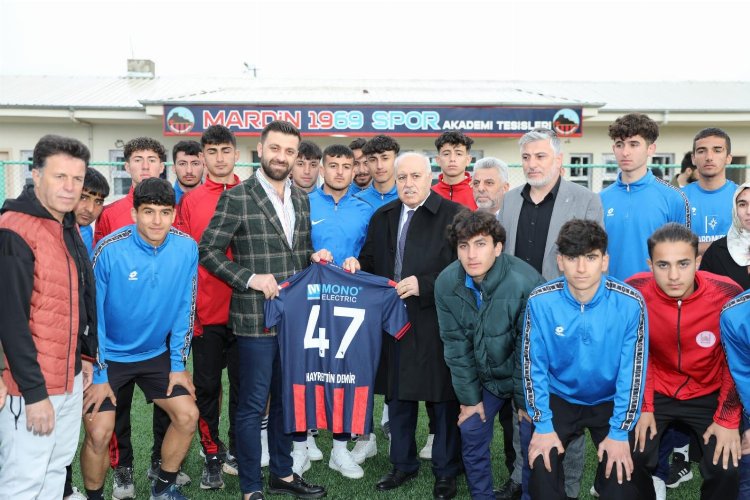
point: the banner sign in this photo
(398, 121)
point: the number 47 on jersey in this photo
(321, 342)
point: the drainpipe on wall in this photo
(72, 116)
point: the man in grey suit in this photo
(533, 213)
(532, 216)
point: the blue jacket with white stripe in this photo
(144, 293)
(586, 354)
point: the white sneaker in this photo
(364, 449)
(426, 452)
(300, 462)
(660, 487)
(264, 456)
(313, 453)
(342, 461)
(593, 492)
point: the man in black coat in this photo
(406, 242)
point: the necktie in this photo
(400, 251)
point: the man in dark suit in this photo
(266, 222)
(406, 242)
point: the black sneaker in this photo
(153, 472)
(229, 464)
(123, 487)
(679, 471)
(211, 478)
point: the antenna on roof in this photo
(251, 69)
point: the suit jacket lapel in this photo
(563, 204)
(514, 212)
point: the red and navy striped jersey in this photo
(330, 325)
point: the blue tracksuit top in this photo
(586, 354)
(632, 212)
(142, 295)
(340, 227)
(375, 198)
(710, 211)
(735, 337)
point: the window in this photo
(27, 155)
(120, 178)
(581, 175)
(663, 159)
(610, 173)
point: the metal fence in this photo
(14, 175)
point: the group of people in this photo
(548, 306)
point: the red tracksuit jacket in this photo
(459, 193)
(686, 359)
(195, 212)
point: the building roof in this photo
(125, 93)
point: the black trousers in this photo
(120, 447)
(570, 421)
(213, 351)
(696, 415)
(505, 417)
(446, 447)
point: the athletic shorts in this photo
(151, 375)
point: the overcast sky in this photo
(593, 40)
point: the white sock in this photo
(339, 445)
(684, 450)
(300, 446)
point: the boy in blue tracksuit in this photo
(339, 219)
(146, 284)
(583, 364)
(638, 203)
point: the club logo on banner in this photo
(417, 121)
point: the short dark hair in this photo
(154, 191)
(673, 233)
(687, 162)
(713, 132)
(51, 145)
(634, 124)
(467, 224)
(581, 236)
(454, 138)
(190, 148)
(218, 134)
(95, 183)
(338, 150)
(380, 144)
(357, 143)
(281, 126)
(144, 144)
(308, 150)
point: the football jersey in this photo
(330, 325)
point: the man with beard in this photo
(362, 176)
(489, 185)
(266, 222)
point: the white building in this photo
(106, 112)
